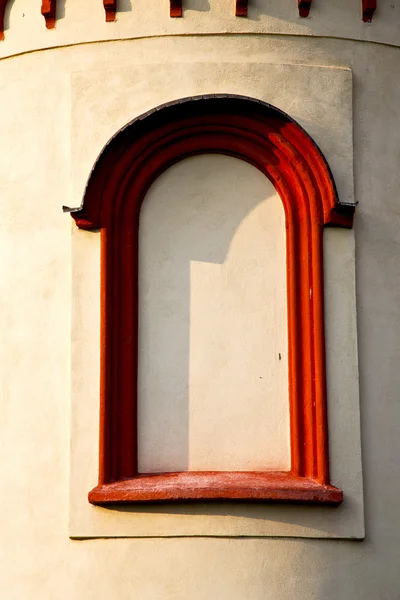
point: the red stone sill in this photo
(272, 486)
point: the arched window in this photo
(269, 140)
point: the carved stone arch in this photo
(270, 140)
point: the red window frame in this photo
(271, 141)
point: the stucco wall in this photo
(38, 559)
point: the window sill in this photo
(272, 486)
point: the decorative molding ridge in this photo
(110, 6)
(49, 8)
(3, 4)
(175, 8)
(241, 8)
(368, 9)
(304, 7)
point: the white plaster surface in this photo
(38, 560)
(213, 376)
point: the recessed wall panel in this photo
(213, 379)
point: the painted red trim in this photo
(304, 7)
(110, 7)
(201, 485)
(175, 8)
(49, 8)
(3, 6)
(268, 139)
(368, 9)
(241, 8)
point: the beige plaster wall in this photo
(38, 560)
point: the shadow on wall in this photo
(199, 5)
(124, 6)
(277, 10)
(10, 4)
(212, 331)
(312, 518)
(60, 10)
(284, 10)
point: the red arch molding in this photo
(268, 139)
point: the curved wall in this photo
(37, 158)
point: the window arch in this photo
(269, 140)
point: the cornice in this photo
(176, 9)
